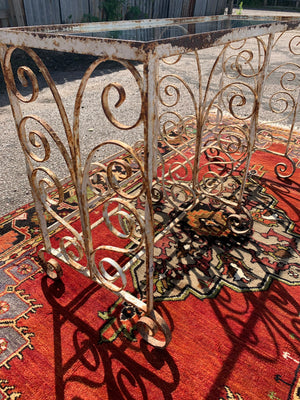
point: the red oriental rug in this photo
(232, 303)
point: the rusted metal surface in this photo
(59, 38)
(214, 163)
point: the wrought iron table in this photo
(209, 164)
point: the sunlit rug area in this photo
(231, 301)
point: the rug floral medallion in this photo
(200, 254)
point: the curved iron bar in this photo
(284, 102)
(281, 168)
(116, 187)
(34, 134)
(22, 72)
(105, 94)
(235, 144)
(177, 172)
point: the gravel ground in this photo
(67, 73)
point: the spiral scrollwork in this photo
(51, 266)
(264, 139)
(105, 96)
(280, 102)
(114, 183)
(73, 252)
(175, 136)
(178, 171)
(172, 60)
(211, 183)
(225, 150)
(240, 221)
(245, 63)
(156, 193)
(25, 75)
(110, 172)
(241, 100)
(285, 169)
(174, 128)
(289, 79)
(107, 278)
(149, 325)
(97, 181)
(169, 120)
(43, 186)
(130, 222)
(33, 137)
(37, 141)
(234, 141)
(182, 195)
(218, 163)
(294, 45)
(106, 108)
(171, 91)
(240, 66)
(246, 57)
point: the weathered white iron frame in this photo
(77, 249)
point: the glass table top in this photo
(168, 31)
(158, 29)
(134, 39)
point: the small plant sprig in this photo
(89, 18)
(240, 10)
(113, 9)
